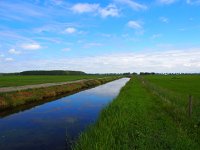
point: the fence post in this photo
(190, 106)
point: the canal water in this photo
(57, 124)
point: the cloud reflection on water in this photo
(109, 89)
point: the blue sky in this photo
(100, 36)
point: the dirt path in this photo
(25, 87)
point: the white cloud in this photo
(193, 2)
(110, 10)
(134, 5)
(187, 60)
(9, 59)
(85, 8)
(33, 46)
(164, 19)
(70, 30)
(66, 49)
(134, 24)
(13, 51)
(167, 1)
(21, 11)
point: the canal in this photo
(57, 124)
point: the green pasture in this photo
(20, 80)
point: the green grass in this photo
(6, 81)
(17, 98)
(140, 119)
(183, 84)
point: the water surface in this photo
(55, 125)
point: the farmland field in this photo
(151, 112)
(6, 81)
(185, 84)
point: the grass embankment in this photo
(139, 119)
(6, 81)
(13, 99)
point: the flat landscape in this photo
(7, 81)
(150, 114)
(99, 75)
(150, 111)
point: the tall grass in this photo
(136, 119)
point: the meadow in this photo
(182, 84)
(20, 80)
(151, 112)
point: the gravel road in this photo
(19, 88)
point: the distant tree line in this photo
(153, 73)
(147, 73)
(47, 72)
(70, 72)
(52, 72)
(113, 74)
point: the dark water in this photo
(56, 125)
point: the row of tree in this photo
(153, 73)
(69, 72)
(47, 72)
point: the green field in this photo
(176, 90)
(151, 112)
(6, 81)
(183, 84)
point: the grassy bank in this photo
(13, 99)
(14, 80)
(140, 119)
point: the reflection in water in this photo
(110, 89)
(55, 125)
